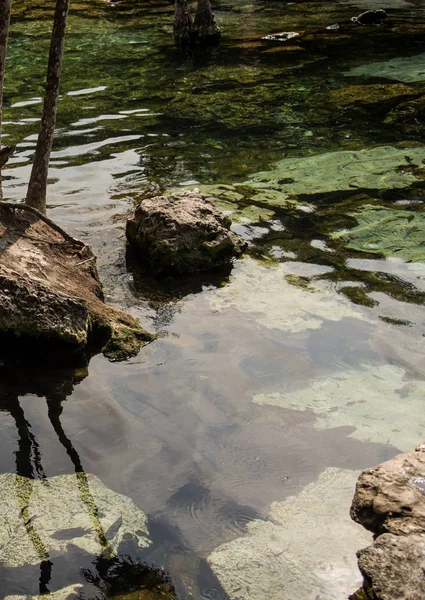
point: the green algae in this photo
(301, 282)
(380, 168)
(391, 233)
(405, 69)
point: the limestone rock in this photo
(390, 501)
(183, 232)
(393, 567)
(50, 293)
(392, 490)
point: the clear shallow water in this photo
(232, 413)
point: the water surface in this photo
(240, 432)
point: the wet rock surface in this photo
(390, 501)
(184, 233)
(51, 295)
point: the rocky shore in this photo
(390, 501)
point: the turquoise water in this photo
(269, 387)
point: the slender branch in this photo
(37, 187)
(5, 10)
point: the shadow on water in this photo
(114, 573)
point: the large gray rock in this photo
(183, 232)
(390, 501)
(50, 292)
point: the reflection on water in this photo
(210, 455)
(110, 571)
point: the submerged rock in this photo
(184, 233)
(373, 400)
(408, 115)
(51, 295)
(397, 233)
(380, 168)
(58, 520)
(406, 69)
(277, 303)
(381, 95)
(390, 501)
(286, 557)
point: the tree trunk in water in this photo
(205, 27)
(36, 195)
(5, 8)
(183, 24)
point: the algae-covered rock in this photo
(409, 115)
(184, 233)
(379, 95)
(90, 510)
(397, 233)
(306, 548)
(381, 168)
(379, 402)
(405, 69)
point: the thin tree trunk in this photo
(5, 9)
(36, 195)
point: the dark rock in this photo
(183, 24)
(370, 17)
(184, 233)
(409, 115)
(390, 501)
(51, 298)
(205, 28)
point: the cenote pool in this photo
(220, 462)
